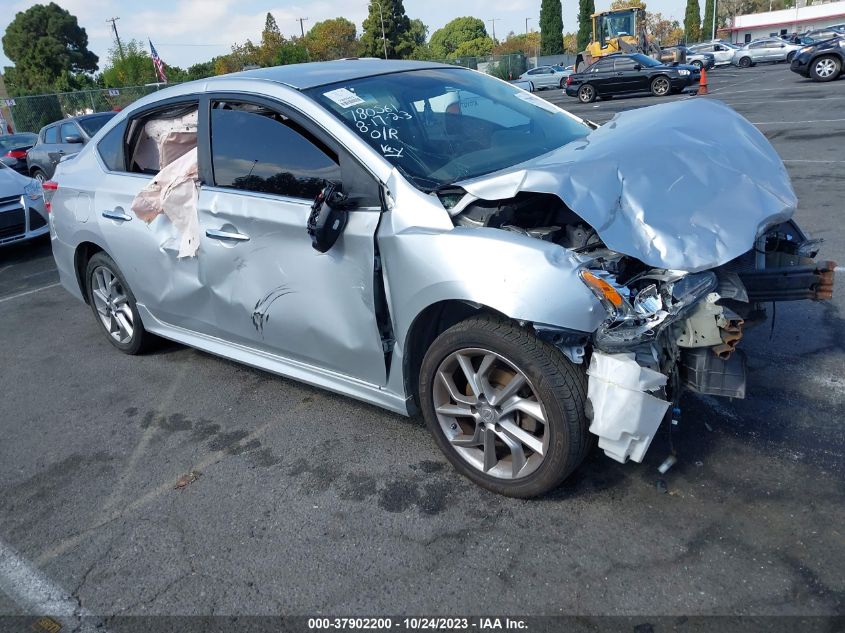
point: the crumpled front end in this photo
(679, 215)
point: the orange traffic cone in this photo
(702, 83)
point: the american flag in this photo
(157, 62)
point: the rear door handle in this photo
(219, 234)
(118, 214)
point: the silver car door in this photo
(268, 287)
(166, 286)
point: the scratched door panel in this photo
(275, 292)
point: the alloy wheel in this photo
(491, 413)
(112, 304)
(586, 94)
(825, 67)
(660, 86)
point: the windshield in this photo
(92, 124)
(441, 125)
(617, 24)
(644, 60)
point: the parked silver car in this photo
(546, 77)
(722, 53)
(426, 237)
(22, 212)
(772, 49)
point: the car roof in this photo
(313, 74)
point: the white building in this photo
(797, 20)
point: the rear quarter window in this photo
(51, 134)
(111, 148)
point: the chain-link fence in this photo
(502, 66)
(31, 113)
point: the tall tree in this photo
(446, 40)
(413, 41)
(271, 42)
(586, 8)
(45, 42)
(707, 30)
(551, 27)
(332, 39)
(387, 28)
(692, 22)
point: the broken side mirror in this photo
(328, 217)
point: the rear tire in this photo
(528, 441)
(114, 306)
(586, 93)
(825, 68)
(698, 64)
(39, 175)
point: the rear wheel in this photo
(114, 306)
(661, 86)
(39, 175)
(586, 93)
(744, 62)
(506, 408)
(825, 68)
(698, 64)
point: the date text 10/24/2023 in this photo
(418, 623)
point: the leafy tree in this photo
(551, 27)
(45, 42)
(692, 21)
(292, 51)
(200, 71)
(332, 39)
(525, 43)
(479, 47)
(133, 68)
(616, 5)
(389, 14)
(272, 41)
(446, 40)
(570, 43)
(413, 40)
(586, 8)
(707, 26)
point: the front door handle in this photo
(118, 214)
(219, 234)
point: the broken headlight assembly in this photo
(639, 306)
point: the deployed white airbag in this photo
(625, 417)
(173, 192)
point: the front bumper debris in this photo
(793, 283)
(624, 410)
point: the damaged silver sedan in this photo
(425, 237)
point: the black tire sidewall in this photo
(745, 62)
(139, 335)
(565, 451)
(654, 82)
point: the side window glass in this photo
(257, 149)
(624, 64)
(68, 129)
(51, 135)
(110, 148)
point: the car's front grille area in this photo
(12, 217)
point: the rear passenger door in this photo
(268, 289)
(626, 77)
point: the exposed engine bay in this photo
(666, 330)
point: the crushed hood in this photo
(687, 185)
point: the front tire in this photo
(661, 86)
(825, 68)
(744, 62)
(790, 57)
(506, 408)
(39, 175)
(586, 93)
(114, 306)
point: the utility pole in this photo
(116, 36)
(301, 27)
(383, 38)
(526, 25)
(492, 22)
(713, 36)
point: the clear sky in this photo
(185, 32)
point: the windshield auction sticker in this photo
(344, 98)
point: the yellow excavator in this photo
(620, 31)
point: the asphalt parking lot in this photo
(308, 502)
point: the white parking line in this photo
(33, 592)
(29, 292)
